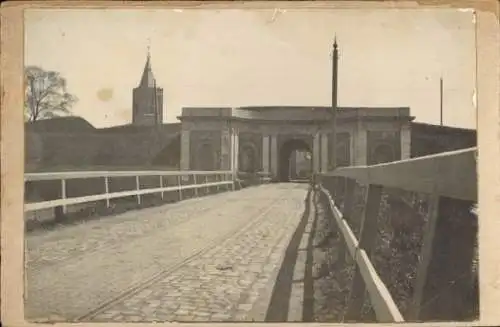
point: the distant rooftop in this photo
(313, 107)
(75, 125)
(131, 128)
(429, 126)
(60, 124)
(308, 114)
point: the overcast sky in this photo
(251, 57)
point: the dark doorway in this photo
(287, 169)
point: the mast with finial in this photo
(334, 75)
(334, 102)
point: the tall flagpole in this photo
(334, 102)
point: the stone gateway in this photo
(263, 139)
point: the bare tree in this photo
(45, 94)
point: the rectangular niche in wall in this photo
(343, 149)
(205, 149)
(250, 152)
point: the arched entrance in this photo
(287, 169)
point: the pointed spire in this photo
(147, 79)
(335, 42)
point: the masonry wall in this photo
(429, 139)
(378, 141)
(119, 147)
(204, 150)
(47, 146)
(250, 144)
(342, 148)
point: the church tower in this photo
(147, 108)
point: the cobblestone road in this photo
(202, 259)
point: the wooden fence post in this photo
(63, 196)
(161, 186)
(425, 256)
(179, 184)
(195, 184)
(106, 189)
(348, 207)
(367, 240)
(138, 187)
(60, 211)
(445, 268)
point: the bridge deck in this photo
(213, 258)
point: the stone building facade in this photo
(127, 146)
(262, 139)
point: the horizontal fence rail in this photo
(384, 306)
(95, 174)
(434, 197)
(186, 180)
(452, 174)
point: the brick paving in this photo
(47, 247)
(208, 259)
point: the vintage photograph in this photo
(244, 165)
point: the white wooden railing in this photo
(198, 181)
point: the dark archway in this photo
(285, 155)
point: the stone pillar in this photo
(232, 139)
(265, 154)
(292, 170)
(231, 142)
(316, 159)
(361, 146)
(324, 153)
(225, 150)
(405, 141)
(236, 150)
(352, 152)
(185, 150)
(274, 155)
